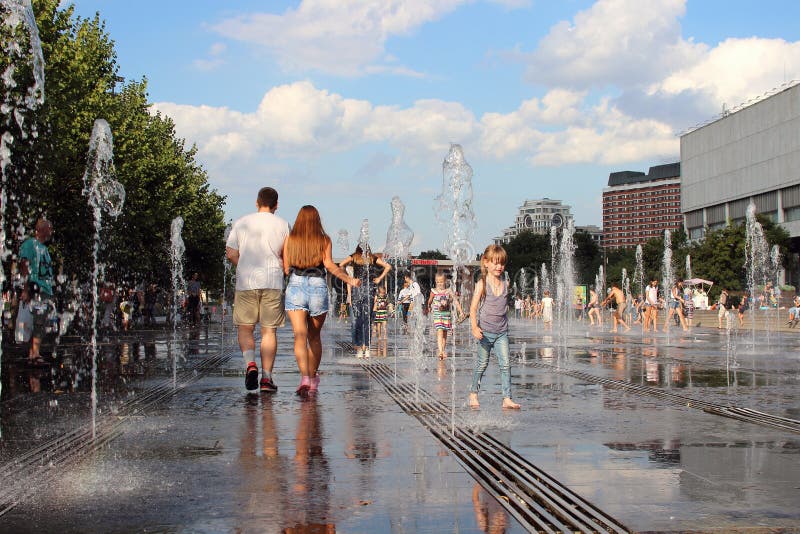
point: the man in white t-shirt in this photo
(255, 247)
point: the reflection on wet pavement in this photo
(212, 458)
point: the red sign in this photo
(415, 261)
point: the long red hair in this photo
(305, 246)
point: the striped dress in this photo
(440, 306)
(381, 308)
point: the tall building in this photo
(639, 206)
(536, 216)
(750, 154)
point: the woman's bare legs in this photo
(300, 327)
(315, 343)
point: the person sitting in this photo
(793, 312)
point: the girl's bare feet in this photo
(473, 400)
(508, 403)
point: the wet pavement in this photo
(178, 445)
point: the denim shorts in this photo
(309, 293)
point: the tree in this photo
(588, 257)
(528, 250)
(432, 255)
(161, 176)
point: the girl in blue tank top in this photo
(488, 315)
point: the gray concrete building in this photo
(750, 154)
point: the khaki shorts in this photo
(259, 306)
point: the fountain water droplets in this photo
(565, 274)
(454, 212)
(689, 267)
(454, 207)
(399, 236)
(177, 252)
(396, 251)
(638, 273)
(600, 283)
(626, 290)
(545, 278)
(521, 282)
(756, 259)
(98, 180)
(23, 49)
(363, 236)
(343, 240)
(667, 271)
(21, 21)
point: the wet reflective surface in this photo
(209, 457)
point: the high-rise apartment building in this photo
(536, 216)
(639, 206)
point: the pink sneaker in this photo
(314, 383)
(305, 385)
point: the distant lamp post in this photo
(117, 79)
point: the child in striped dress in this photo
(380, 310)
(440, 302)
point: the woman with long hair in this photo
(306, 257)
(365, 268)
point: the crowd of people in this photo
(282, 271)
(33, 301)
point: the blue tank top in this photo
(492, 315)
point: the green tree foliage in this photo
(588, 258)
(161, 177)
(720, 255)
(432, 255)
(528, 250)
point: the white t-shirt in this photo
(651, 294)
(404, 296)
(259, 239)
(416, 292)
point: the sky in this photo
(344, 104)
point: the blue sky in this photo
(344, 104)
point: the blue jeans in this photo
(361, 315)
(500, 344)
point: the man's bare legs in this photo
(269, 347)
(247, 342)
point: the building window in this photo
(791, 214)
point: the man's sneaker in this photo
(366, 353)
(359, 353)
(268, 386)
(251, 376)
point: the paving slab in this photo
(206, 456)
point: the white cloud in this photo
(299, 122)
(214, 61)
(737, 70)
(638, 48)
(341, 37)
(619, 42)
(609, 138)
(562, 129)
